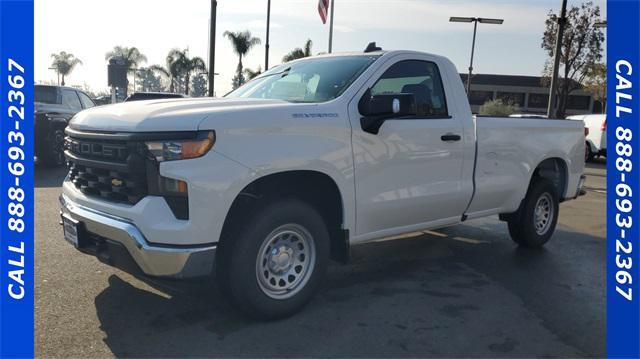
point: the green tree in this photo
(242, 42)
(299, 53)
(149, 81)
(497, 108)
(64, 63)
(596, 83)
(581, 49)
(250, 74)
(199, 85)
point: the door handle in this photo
(450, 137)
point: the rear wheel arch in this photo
(555, 170)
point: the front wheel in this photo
(272, 267)
(534, 223)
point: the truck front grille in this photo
(114, 170)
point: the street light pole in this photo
(473, 47)
(212, 46)
(551, 109)
(475, 21)
(266, 46)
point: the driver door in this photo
(409, 175)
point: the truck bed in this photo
(508, 150)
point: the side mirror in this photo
(379, 108)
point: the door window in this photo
(420, 78)
(86, 101)
(71, 100)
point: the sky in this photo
(89, 29)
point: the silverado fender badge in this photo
(313, 115)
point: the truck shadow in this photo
(466, 290)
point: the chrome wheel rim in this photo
(285, 261)
(543, 213)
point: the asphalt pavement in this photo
(465, 291)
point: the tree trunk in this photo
(239, 66)
(186, 84)
(171, 85)
(62, 79)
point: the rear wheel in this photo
(535, 221)
(588, 154)
(272, 267)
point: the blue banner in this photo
(623, 179)
(16, 187)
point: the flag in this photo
(323, 10)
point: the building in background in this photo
(525, 92)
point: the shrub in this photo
(497, 108)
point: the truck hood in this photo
(161, 115)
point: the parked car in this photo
(54, 107)
(268, 184)
(140, 96)
(596, 141)
(527, 115)
(102, 100)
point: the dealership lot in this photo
(459, 291)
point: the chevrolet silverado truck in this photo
(262, 188)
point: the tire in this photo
(531, 230)
(53, 154)
(588, 154)
(266, 284)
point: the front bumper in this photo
(108, 237)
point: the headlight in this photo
(171, 150)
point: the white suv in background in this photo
(596, 141)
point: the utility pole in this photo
(562, 20)
(331, 28)
(212, 45)
(266, 46)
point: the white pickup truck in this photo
(264, 186)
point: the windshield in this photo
(47, 94)
(313, 80)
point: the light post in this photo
(475, 21)
(266, 46)
(562, 20)
(212, 45)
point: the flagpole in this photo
(331, 28)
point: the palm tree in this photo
(131, 55)
(171, 70)
(242, 42)
(299, 53)
(132, 58)
(179, 64)
(250, 74)
(64, 63)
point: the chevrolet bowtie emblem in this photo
(116, 182)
